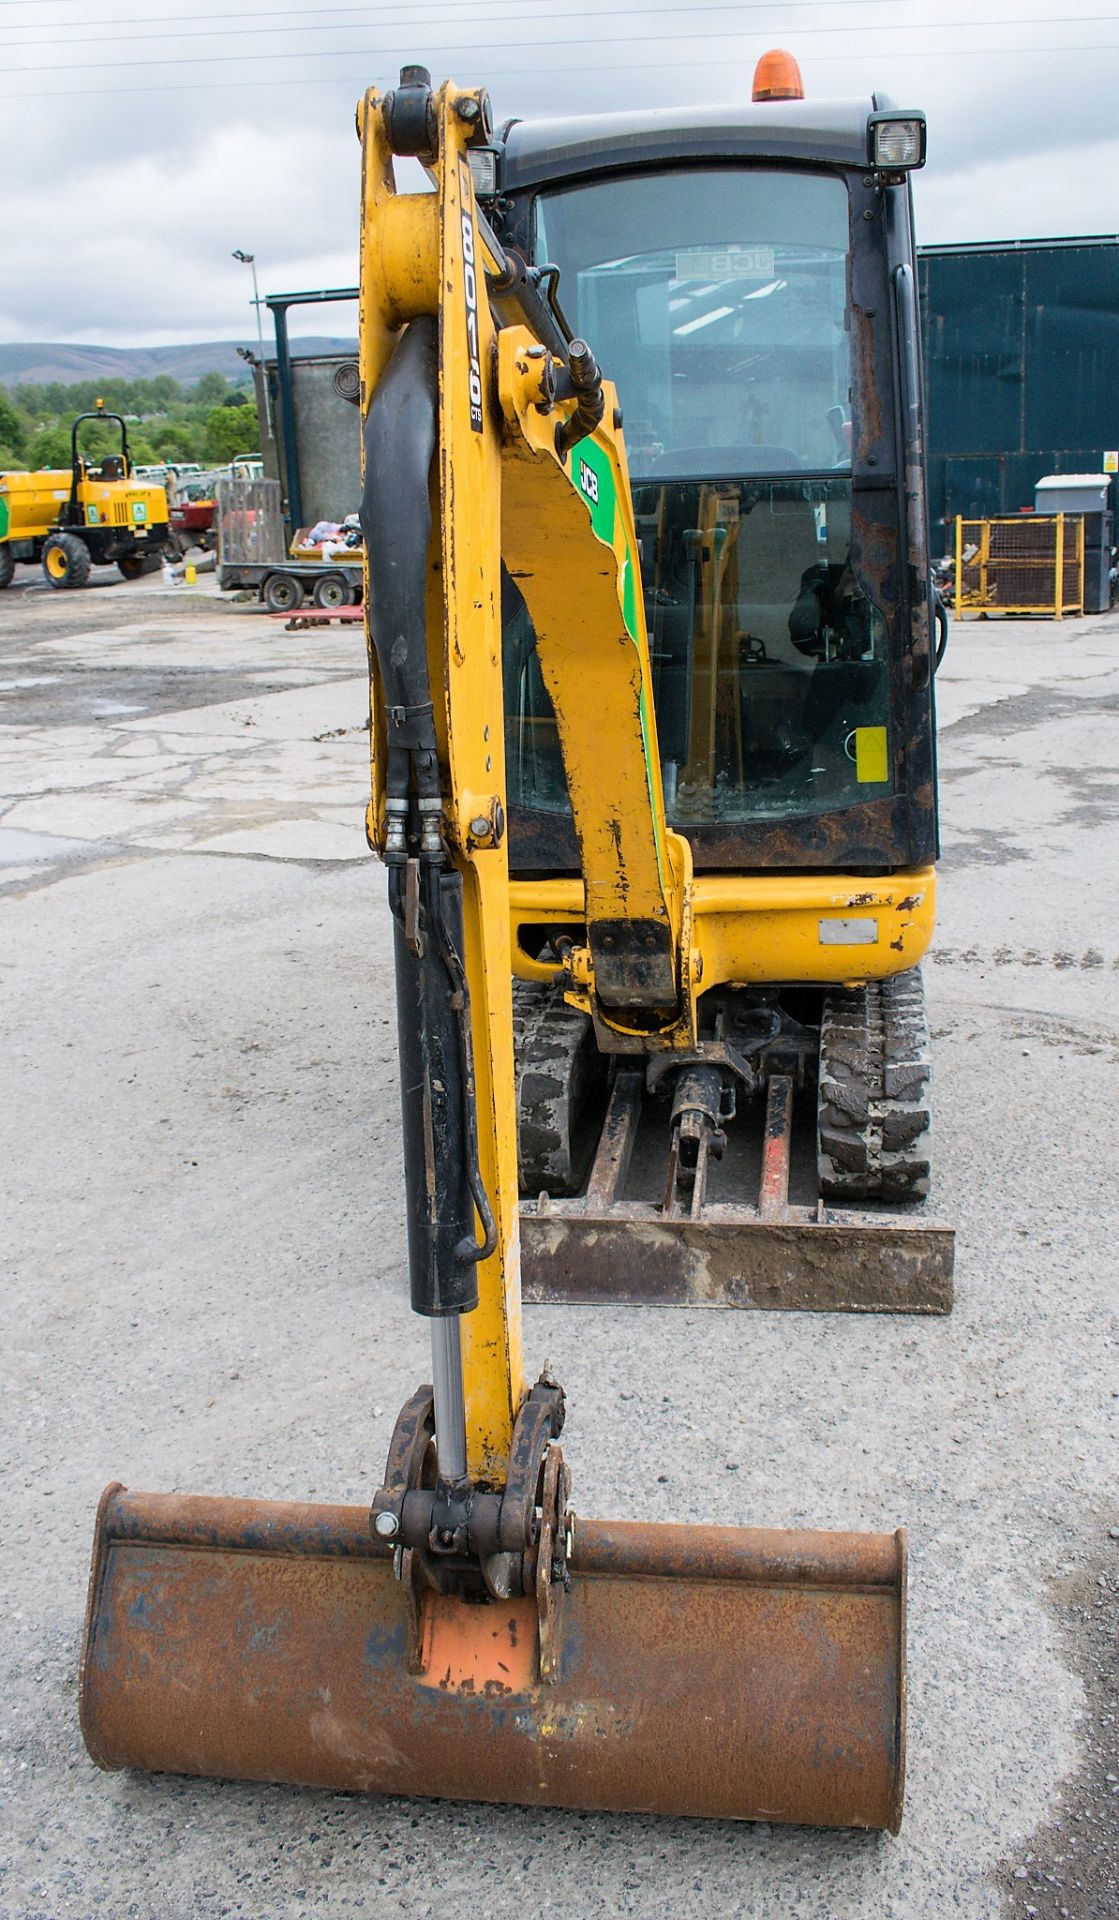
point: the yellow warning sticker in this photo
(871, 764)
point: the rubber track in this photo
(557, 1065)
(874, 1118)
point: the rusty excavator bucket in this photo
(466, 1637)
(730, 1672)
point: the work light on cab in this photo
(896, 141)
(483, 171)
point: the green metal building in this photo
(1022, 369)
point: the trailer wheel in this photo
(333, 590)
(283, 593)
(66, 560)
(7, 565)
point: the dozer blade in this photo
(603, 1248)
(716, 1671)
(816, 1260)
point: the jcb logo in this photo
(588, 481)
(470, 289)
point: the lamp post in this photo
(249, 260)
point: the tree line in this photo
(210, 421)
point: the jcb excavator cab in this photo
(747, 277)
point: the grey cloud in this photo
(180, 178)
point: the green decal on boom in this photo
(592, 475)
(629, 595)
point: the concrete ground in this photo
(206, 1286)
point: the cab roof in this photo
(830, 131)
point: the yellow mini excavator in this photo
(465, 1637)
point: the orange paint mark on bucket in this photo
(487, 1650)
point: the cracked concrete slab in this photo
(270, 772)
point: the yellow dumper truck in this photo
(96, 512)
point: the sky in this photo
(154, 139)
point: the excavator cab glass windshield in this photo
(717, 300)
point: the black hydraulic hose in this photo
(528, 294)
(940, 615)
(747, 1048)
(442, 1171)
(590, 401)
(435, 1110)
(395, 516)
(452, 960)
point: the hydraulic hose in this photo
(940, 615)
(395, 516)
(590, 401)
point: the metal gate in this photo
(250, 523)
(1032, 563)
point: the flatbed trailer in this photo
(283, 585)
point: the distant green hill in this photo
(25, 360)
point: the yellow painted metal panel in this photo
(34, 500)
(469, 459)
(760, 929)
(593, 653)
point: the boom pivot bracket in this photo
(476, 1543)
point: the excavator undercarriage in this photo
(740, 1180)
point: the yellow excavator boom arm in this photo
(532, 474)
